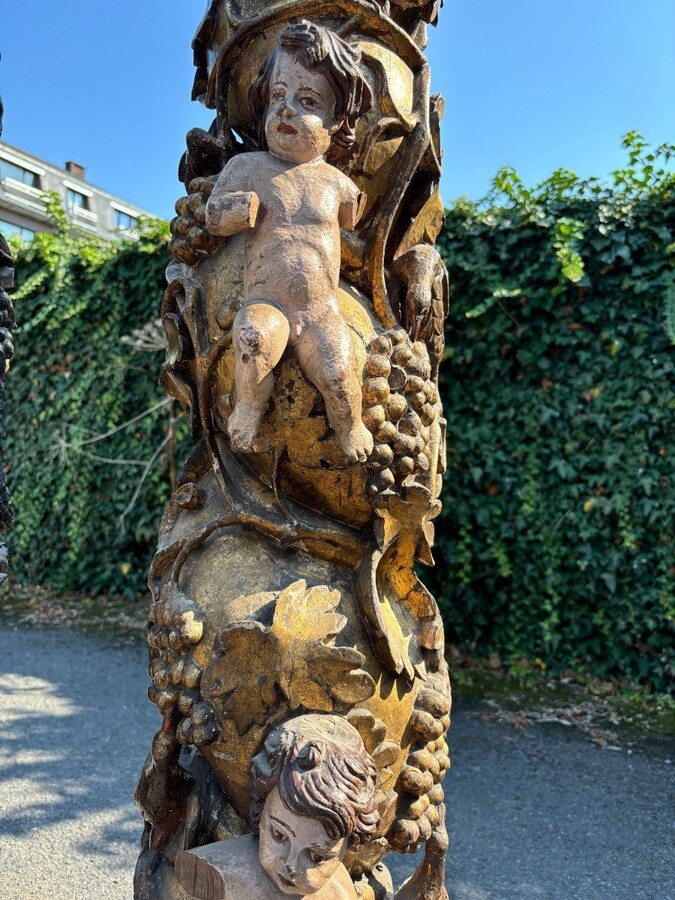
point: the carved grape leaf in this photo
(407, 516)
(295, 656)
(312, 610)
(241, 681)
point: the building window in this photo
(18, 173)
(9, 229)
(75, 200)
(123, 221)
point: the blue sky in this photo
(530, 83)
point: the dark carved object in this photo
(6, 353)
(295, 656)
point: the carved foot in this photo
(357, 444)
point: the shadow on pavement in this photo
(539, 813)
(75, 728)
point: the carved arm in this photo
(228, 212)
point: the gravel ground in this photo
(536, 813)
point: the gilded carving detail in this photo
(295, 656)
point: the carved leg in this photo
(325, 352)
(259, 337)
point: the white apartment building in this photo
(24, 179)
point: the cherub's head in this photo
(312, 798)
(309, 94)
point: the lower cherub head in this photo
(313, 797)
(309, 94)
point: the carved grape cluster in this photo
(400, 404)
(176, 678)
(419, 784)
(191, 241)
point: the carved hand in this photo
(231, 211)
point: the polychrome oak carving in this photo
(314, 797)
(304, 314)
(291, 204)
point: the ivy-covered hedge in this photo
(80, 374)
(556, 540)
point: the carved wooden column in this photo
(295, 657)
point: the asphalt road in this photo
(538, 814)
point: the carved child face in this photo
(296, 851)
(300, 121)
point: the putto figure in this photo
(313, 798)
(292, 204)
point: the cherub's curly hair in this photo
(322, 770)
(318, 48)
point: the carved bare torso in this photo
(291, 211)
(293, 252)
